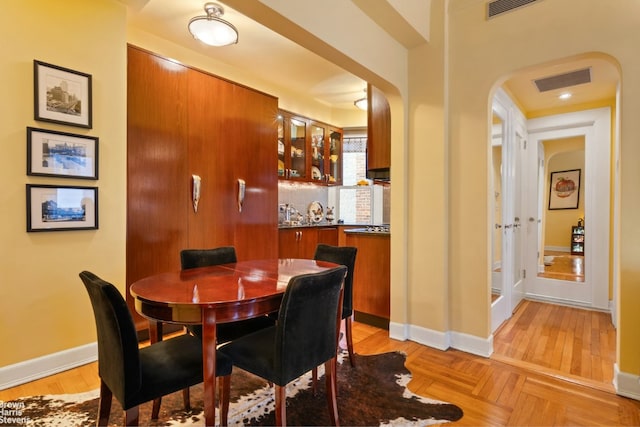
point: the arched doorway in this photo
(593, 126)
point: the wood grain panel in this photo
(156, 165)
(184, 122)
(378, 130)
(372, 274)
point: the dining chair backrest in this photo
(343, 255)
(306, 330)
(118, 354)
(194, 258)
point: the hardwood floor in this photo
(490, 391)
(577, 344)
(564, 266)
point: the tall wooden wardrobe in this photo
(184, 122)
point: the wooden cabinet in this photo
(577, 240)
(184, 122)
(308, 150)
(293, 147)
(301, 242)
(372, 274)
(378, 131)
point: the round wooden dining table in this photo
(217, 294)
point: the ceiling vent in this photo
(498, 7)
(560, 81)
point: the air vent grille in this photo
(498, 7)
(560, 81)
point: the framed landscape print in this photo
(564, 189)
(61, 154)
(61, 95)
(59, 208)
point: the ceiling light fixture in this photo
(565, 95)
(212, 29)
(361, 103)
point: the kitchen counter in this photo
(378, 230)
(320, 224)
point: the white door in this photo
(509, 171)
(517, 202)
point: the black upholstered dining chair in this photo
(343, 255)
(194, 258)
(137, 375)
(304, 337)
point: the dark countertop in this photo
(321, 224)
(369, 230)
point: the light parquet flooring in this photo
(490, 392)
(574, 343)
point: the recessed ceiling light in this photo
(564, 95)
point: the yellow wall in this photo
(485, 52)
(43, 305)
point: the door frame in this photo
(595, 126)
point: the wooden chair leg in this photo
(224, 394)
(281, 405)
(155, 410)
(332, 390)
(131, 416)
(186, 398)
(349, 333)
(104, 407)
(314, 380)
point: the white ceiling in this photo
(283, 62)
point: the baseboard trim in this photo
(627, 385)
(442, 340)
(40, 367)
(472, 344)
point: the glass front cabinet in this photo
(308, 150)
(292, 147)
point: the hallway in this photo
(565, 342)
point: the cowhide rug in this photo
(372, 393)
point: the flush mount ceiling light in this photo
(361, 103)
(212, 29)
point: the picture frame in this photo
(61, 95)
(61, 208)
(564, 189)
(61, 154)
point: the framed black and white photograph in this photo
(61, 95)
(61, 154)
(61, 208)
(564, 189)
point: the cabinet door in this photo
(157, 190)
(371, 275)
(231, 139)
(319, 155)
(250, 132)
(328, 236)
(334, 165)
(292, 146)
(288, 246)
(378, 130)
(210, 157)
(308, 242)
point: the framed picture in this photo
(564, 189)
(61, 154)
(59, 208)
(61, 95)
